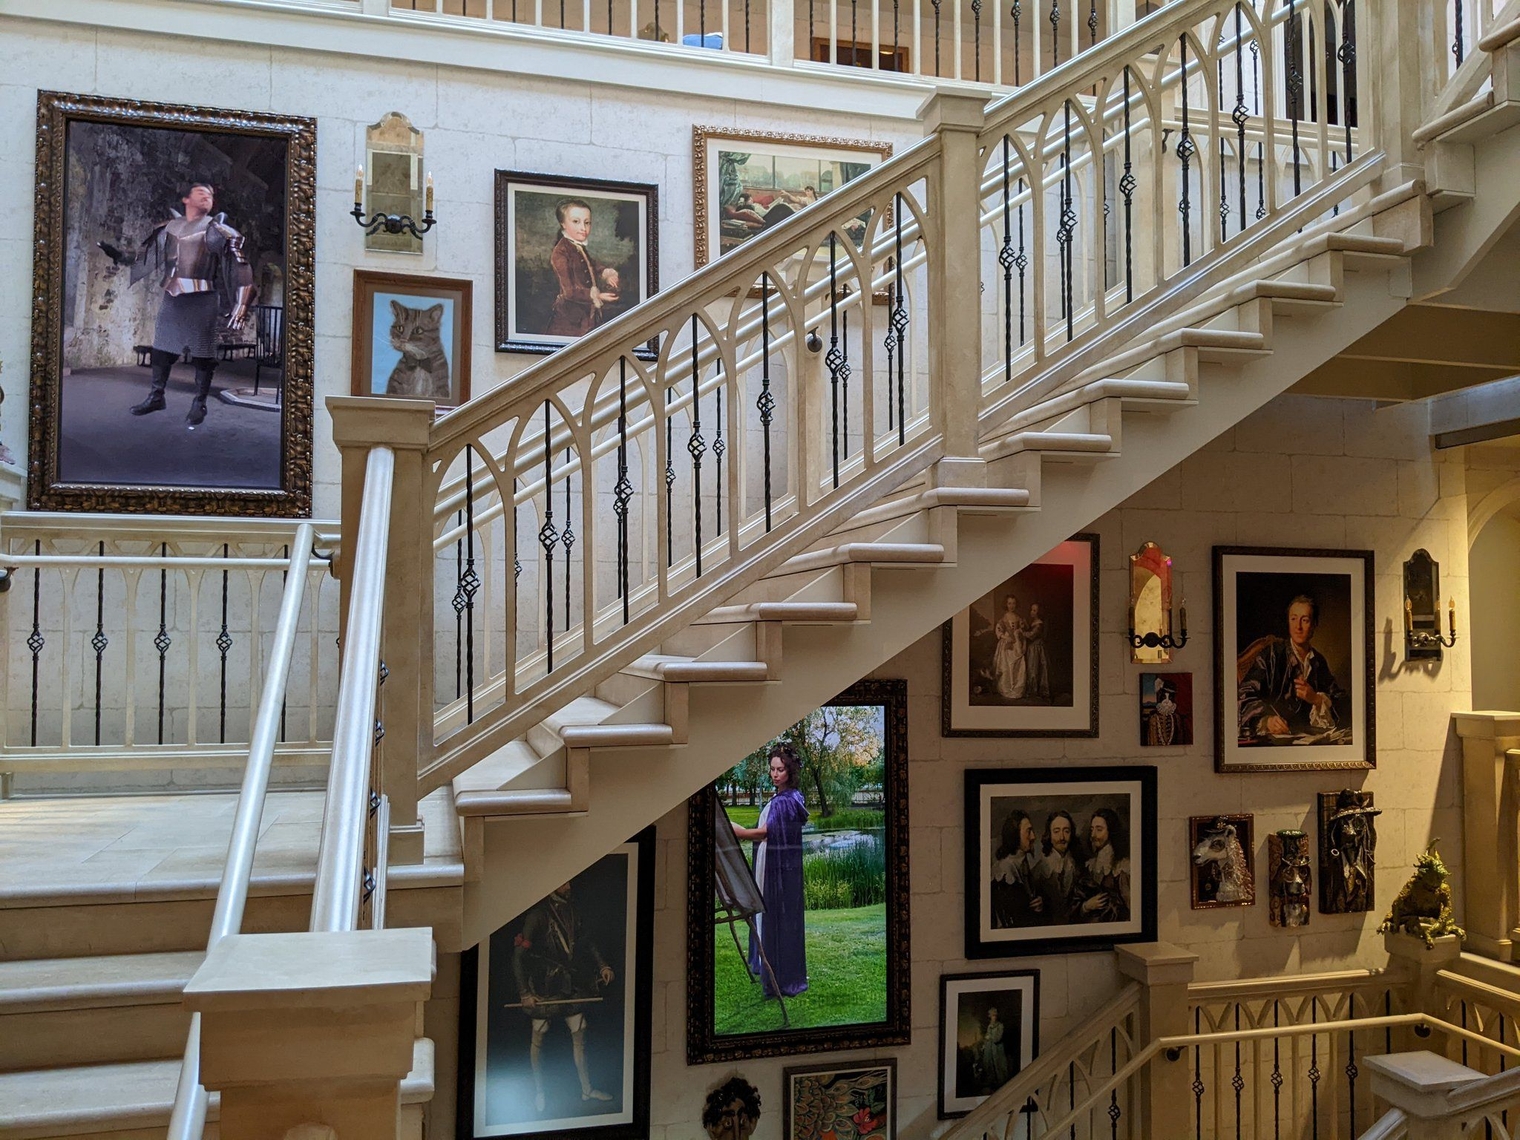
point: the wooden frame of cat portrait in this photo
(431, 319)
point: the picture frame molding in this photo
(376, 281)
(1032, 1021)
(1146, 883)
(45, 491)
(889, 1064)
(947, 671)
(1224, 732)
(703, 1046)
(569, 183)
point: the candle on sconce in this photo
(359, 186)
(1132, 617)
(1408, 614)
(428, 200)
(1182, 613)
(1451, 616)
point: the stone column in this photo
(1490, 831)
(311, 1029)
(1165, 971)
(1417, 966)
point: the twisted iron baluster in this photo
(1457, 48)
(1261, 158)
(516, 554)
(567, 539)
(1067, 229)
(223, 644)
(469, 581)
(976, 39)
(1224, 201)
(161, 640)
(1016, 11)
(1314, 1073)
(719, 447)
(35, 641)
(899, 323)
(1351, 1074)
(100, 641)
(1113, 1096)
(1293, 43)
(936, 4)
(1021, 263)
(834, 359)
(1055, 33)
(670, 482)
(547, 537)
(458, 604)
(746, 26)
(1185, 152)
(1127, 185)
(1240, 117)
(622, 490)
(766, 402)
(844, 365)
(1277, 1077)
(1198, 1086)
(696, 447)
(1347, 56)
(1005, 259)
(1238, 1082)
(1092, 24)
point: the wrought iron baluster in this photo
(100, 641)
(656, 40)
(1277, 1078)
(1261, 156)
(844, 364)
(896, 31)
(1066, 231)
(1071, 1090)
(834, 359)
(899, 326)
(701, 23)
(766, 402)
(1092, 24)
(34, 640)
(162, 640)
(1224, 201)
(854, 31)
(1351, 1074)
(223, 644)
(1237, 1082)
(936, 4)
(1016, 11)
(976, 39)
(746, 27)
(547, 537)
(1199, 1088)
(1127, 185)
(1055, 33)
(1314, 1073)
(609, 19)
(567, 537)
(1005, 259)
(1347, 56)
(1021, 263)
(696, 447)
(1241, 118)
(1113, 1097)
(719, 447)
(1186, 149)
(1464, 1026)
(1293, 43)
(469, 581)
(812, 33)
(622, 490)
(1458, 49)
(670, 483)
(458, 604)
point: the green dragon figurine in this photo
(1423, 907)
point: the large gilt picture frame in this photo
(172, 309)
(797, 905)
(1294, 659)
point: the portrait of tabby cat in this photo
(423, 369)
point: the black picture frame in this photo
(956, 987)
(631, 1104)
(992, 798)
(524, 294)
(252, 452)
(703, 1043)
(963, 713)
(1253, 592)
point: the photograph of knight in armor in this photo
(1166, 710)
(561, 1011)
(173, 336)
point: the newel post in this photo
(406, 700)
(955, 303)
(781, 33)
(1491, 826)
(1405, 64)
(1165, 971)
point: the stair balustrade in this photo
(137, 645)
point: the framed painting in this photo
(1059, 859)
(1222, 861)
(1022, 660)
(411, 336)
(1293, 659)
(1166, 710)
(748, 181)
(845, 1101)
(571, 255)
(989, 1031)
(555, 1010)
(171, 309)
(797, 904)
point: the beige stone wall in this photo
(1303, 471)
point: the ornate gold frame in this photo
(55, 111)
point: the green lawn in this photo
(745, 816)
(847, 976)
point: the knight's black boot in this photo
(204, 367)
(154, 402)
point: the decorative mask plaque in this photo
(1347, 851)
(1290, 881)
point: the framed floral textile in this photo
(842, 1101)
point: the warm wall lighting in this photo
(392, 223)
(1422, 603)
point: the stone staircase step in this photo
(799, 613)
(132, 1101)
(663, 667)
(882, 553)
(1050, 443)
(1144, 393)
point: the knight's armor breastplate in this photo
(190, 250)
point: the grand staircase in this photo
(991, 420)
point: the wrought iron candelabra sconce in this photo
(1167, 640)
(1422, 598)
(392, 223)
(1152, 617)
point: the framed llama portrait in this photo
(1059, 859)
(571, 255)
(1293, 659)
(1222, 861)
(411, 336)
(989, 1031)
(171, 309)
(555, 1010)
(797, 904)
(858, 1101)
(1022, 660)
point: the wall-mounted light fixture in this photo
(392, 223)
(1151, 616)
(1422, 602)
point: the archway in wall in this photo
(1494, 583)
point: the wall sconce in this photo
(391, 223)
(1422, 600)
(1151, 619)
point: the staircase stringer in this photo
(520, 860)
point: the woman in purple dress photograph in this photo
(778, 870)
